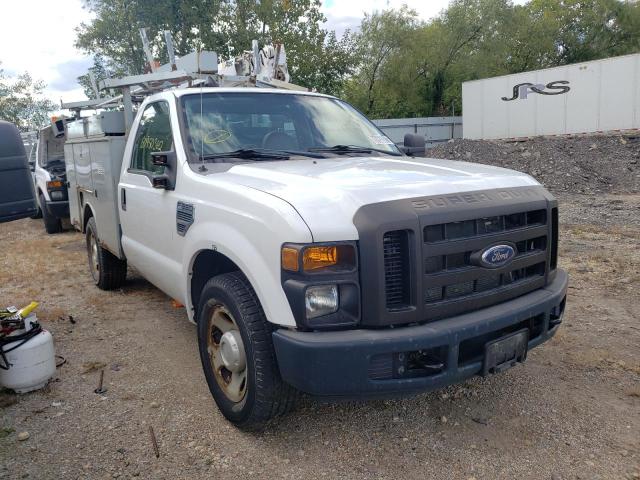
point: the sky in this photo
(38, 36)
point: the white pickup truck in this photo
(313, 254)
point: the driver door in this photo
(148, 214)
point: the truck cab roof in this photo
(185, 91)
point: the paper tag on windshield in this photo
(380, 140)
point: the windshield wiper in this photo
(352, 149)
(302, 153)
(257, 154)
(248, 154)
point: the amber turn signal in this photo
(314, 258)
(54, 184)
(337, 258)
(290, 259)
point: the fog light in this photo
(57, 195)
(321, 300)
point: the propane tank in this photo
(32, 363)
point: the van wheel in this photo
(38, 213)
(107, 270)
(237, 354)
(51, 223)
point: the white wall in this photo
(434, 129)
(604, 95)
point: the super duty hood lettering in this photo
(472, 198)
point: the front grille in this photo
(420, 259)
(453, 284)
(396, 269)
(554, 238)
(483, 226)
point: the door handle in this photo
(123, 198)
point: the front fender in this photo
(41, 184)
(253, 243)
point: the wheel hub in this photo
(227, 354)
(94, 254)
(232, 351)
(94, 262)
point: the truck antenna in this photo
(202, 167)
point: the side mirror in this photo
(414, 145)
(17, 199)
(166, 179)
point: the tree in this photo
(383, 36)
(410, 68)
(586, 30)
(395, 65)
(316, 58)
(114, 36)
(22, 102)
(470, 38)
(100, 71)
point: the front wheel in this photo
(107, 270)
(237, 354)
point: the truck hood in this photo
(328, 192)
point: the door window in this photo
(153, 135)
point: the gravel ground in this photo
(585, 164)
(572, 411)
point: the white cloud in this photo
(37, 36)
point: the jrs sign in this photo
(522, 90)
(602, 95)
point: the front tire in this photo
(237, 353)
(107, 270)
(51, 224)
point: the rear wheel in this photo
(107, 270)
(237, 353)
(51, 224)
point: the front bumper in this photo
(360, 363)
(59, 209)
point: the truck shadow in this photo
(477, 404)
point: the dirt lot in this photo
(571, 411)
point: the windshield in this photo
(219, 123)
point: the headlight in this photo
(321, 300)
(56, 195)
(321, 283)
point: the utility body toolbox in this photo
(93, 153)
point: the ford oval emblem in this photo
(497, 256)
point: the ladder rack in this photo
(263, 68)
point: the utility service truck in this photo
(312, 253)
(49, 174)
